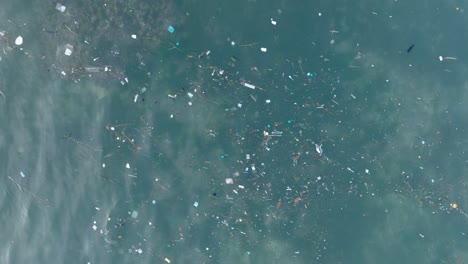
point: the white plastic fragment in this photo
(136, 98)
(68, 50)
(241, 187)
(60, 7)
(103, 165)
(135, 214)
(190, 95)
(248, 85)
(22, 174)
(273, 22)
(134, 36)
(195, 204)
(441, 58)
(19, 40)
(267, 101)
(229, 181)
(63, 73)
(167, 260)
(139, 251)
(239, 105)
(247, 156)
(126, 79)
(94, 227)
(127, 166)
(263, 49)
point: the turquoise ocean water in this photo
(150, 146)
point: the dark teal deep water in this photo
(175, 108)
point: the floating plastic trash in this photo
(170, 29)
(92, 69)
(60, 7)
(68, 49)
(134, 214)
(19, 40)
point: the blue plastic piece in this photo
(170, 29)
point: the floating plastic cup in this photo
(170, 29)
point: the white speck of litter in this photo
(127, 166)
(267, 101)
(134, 36)
(69, 51)
(195, 204)
(103, 165)
(441, 58)
(19, 40)
(94, 227)
(60, 7)
(273, 22)
(134, 214)
(263, 49)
